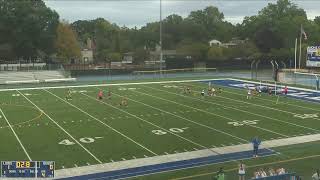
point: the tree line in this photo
(29, 30)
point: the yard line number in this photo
(86, 140)
(174, 130)
(306, 116)
(243, 123)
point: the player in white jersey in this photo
(249, 94)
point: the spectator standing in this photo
(242, 171)
(256, 143)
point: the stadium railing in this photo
(169, 72)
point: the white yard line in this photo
(103, 123)
(248, 112)
(75, 140)
(102, 85)
(186, 119)
(208, 112)
(126, 112)
(180, 157)
(18, 139)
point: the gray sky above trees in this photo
(139, 12)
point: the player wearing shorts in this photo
(100, 95)
(202, 93)
(270, 91)
(285, 90)
(249, 94)
(209, 92)
(242, 171)
(188, 90)
(213, 91)
(68, 96)
(109, 95)
(124, 102)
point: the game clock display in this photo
(27, 169)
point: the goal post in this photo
(314, 78)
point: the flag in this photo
(304, 33)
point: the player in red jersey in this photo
(100, 95)
(285, 90)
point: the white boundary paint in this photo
(92, 169)
(103, 85)
(98, 120)
(74, 139)
(18, 139)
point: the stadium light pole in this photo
(300, 48)
(160, 42)
(295, 55)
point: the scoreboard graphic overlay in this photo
(313, 56)
(27, 169)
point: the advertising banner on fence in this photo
(313, 56)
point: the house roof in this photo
(214, 41)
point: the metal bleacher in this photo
(9, 77)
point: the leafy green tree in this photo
(141, 55)
(27, 27)
(67, 44)
(198, 51)
(277, 25)
(215, 53)
(114, 56)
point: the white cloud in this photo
(139, 12)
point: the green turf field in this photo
(160, 119)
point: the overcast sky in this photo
(139, 12)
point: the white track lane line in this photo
(75, 140)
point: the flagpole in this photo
(295, 55)
(300, 47)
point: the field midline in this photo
(103, 123)
(208, 112)
(57, 124)
(255, 114)
(186, 119)
(92, 169)
(16, 136)
(265, 99)
(148, 122)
